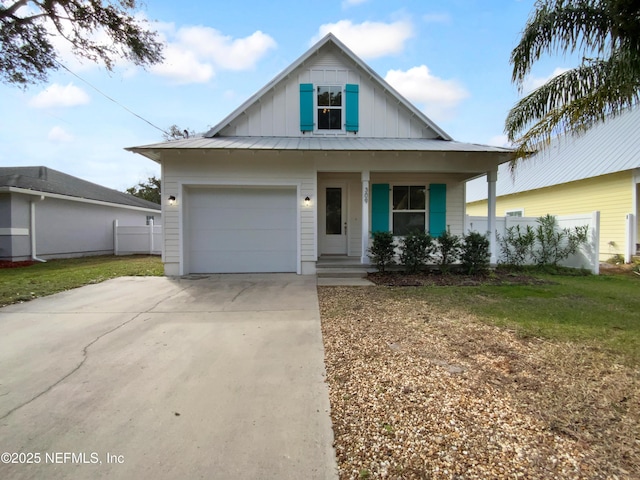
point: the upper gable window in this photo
(329, 102)
(329, 108)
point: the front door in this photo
(333, 220)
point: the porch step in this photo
(342, 272)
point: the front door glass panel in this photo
(334, 211)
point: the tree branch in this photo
(8, 12)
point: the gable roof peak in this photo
(328, 39)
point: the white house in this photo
(309, 166)
(47, 214)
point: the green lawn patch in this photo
(600, 310)
(28, 282)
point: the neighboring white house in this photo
(309, 166)
(596, 171)
(48, 214)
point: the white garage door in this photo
(241, 230)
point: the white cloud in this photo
(194, 53)
(182, 66)
(224, 51)
(437, 97)
(531, 82)
(60, 96)
(369, 39)
(59, 135)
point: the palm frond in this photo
(604, 85)
(561, 26)
(574, 101)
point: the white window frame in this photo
(514, 212)
(424, 211)
(341, 108)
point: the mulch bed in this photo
(9, 264)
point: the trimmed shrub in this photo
(382, 250)
(447, 250)
(416, 248)
(475, 254)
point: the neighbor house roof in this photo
(327, 39)
(47, 180)
(608, 147)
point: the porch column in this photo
(364, 259)
(492, 176)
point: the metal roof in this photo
(608, 147)
(44, 179)
(316, 144)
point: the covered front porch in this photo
(351, 205)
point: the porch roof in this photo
(349, 143)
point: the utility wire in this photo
(109, 98)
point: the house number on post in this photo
(366, 195)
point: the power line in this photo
(109, 98)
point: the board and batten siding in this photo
(609, 194)
(181, 173)
(277, 112)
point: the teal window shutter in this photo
(306, 107)
(352, 107)
(437, 209)
(380, 207)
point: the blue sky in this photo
(451, 59)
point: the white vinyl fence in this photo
(140, 239)
(586, 258)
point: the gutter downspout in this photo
(33, 229)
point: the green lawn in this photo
(600, 310)
(40, 279)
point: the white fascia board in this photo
(150, 154)
(36, 193)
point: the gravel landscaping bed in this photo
(418, 392)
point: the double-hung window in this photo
(409, 209)
(329, 104)
(329, 108)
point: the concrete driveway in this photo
(216, 377)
